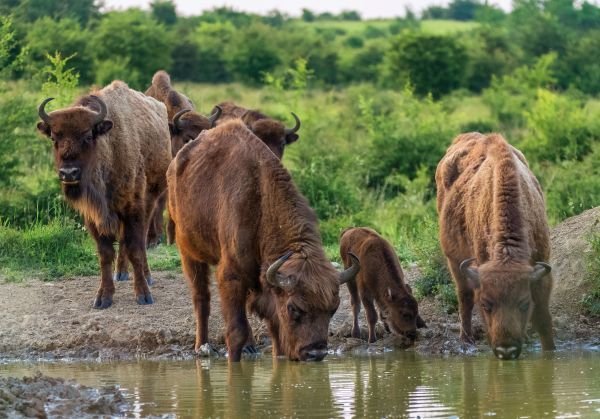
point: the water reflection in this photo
(393, 385)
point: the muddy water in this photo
(563, 384)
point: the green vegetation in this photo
(380, 101)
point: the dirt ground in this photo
(54, 320)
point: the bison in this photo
(111, 150)
(235, 206)
(272, 132)
(494, 234)
(380, 280)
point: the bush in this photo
(431, 63)
(211, 40)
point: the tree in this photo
(164, 11)
(211, 41)
(130, 45)
(350, 15)
(431, 63)
(307, 15)
(81, 10)
(463, 9)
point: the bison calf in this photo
(111, 152)
(235, 206)
(494, 233)
(380, 281)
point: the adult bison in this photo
(235, 206)
(494, 233)
(272, 132)
(379, 281)
(111, 151)
(184, 124)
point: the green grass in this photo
(444, 27)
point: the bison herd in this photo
(122, 155)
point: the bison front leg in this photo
(353, 289)
(196, 274)
(106, 255)
(170, 230)
(466, 298)
(371, 316)
(541, 318)
(155, 229)
(233, 294)
(135, 245)
(121, 273)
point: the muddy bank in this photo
(41, 397)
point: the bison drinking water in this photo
(235, 206)
(380, 280)
(111, 151)
(494, 233)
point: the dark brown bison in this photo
(380, 281)
(235, 206)
(272, 132)
(111, 151)
(494, 233)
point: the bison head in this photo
(306, 295)
(186, 126)
(504, 297)
(74, 132)
(273, 133)
(399, 311)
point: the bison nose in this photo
(314, 353)
(69, 174)
(507, 352)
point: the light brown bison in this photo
(235, 206)
(111, 151)
(272, 132)
(380, 281)
(494, 233)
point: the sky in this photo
(368, 9)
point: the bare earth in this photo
(52, 320)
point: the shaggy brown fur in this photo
(271, 132)
(122, 162)
(235, 206)
(380, 280)
(491, 208)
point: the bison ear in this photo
(290, 138)
(540, 270)
(421, 323)
(102, 128)
(44, 128)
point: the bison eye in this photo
(486, 306)
(294, 312)
(524, 306)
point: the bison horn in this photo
(103, 110)
(177, 116)
(272, 271)
(540, 270)
(296, 127)
(470, 273)
(351, 272)
(213, 118)
(42, 112)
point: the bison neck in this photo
(510, 240)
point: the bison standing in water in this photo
(111, 151)
(235, 206)
(494, 233)
(380, 280)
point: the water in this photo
(563, 384)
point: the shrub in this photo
(211, 40)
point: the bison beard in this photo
(235, 206)
(111, 152)
(494, 233)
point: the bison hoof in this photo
(121, 276)
(206, 350)
(250, 350)
(150, 281)
(144, 299)
(102, 302)
(153, 243)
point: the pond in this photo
(560, 384)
